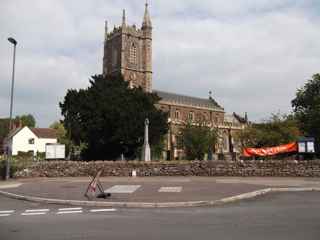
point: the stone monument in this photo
(146, 152)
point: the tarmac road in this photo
(276, 216)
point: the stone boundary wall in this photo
(264, 168)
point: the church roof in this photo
(188, 100)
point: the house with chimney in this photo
(25, 139)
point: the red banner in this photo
(261, 152)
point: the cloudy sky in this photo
(252, 54)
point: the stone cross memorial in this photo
(146, 153)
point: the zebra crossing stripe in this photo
(170, 189)
(128, 189)
(103, 210)
(33, 213)
(69, 212)
(70, 209)
(5, 215)
(8, 211)
(37, 210)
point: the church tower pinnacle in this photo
(146, 19)
(124, 18)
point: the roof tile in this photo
(188, 100)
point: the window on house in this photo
(31, 141)
(133, 54)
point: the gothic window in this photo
(191, 116)
(114, 57)
(133, 54)
(205, 117)
(177, 114)
(179, 141)
(226, 142)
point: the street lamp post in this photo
(14, 42)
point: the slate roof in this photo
(44, 132)
(188, 100)
(39, 132)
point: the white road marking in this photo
(8, 211)
(5, 215)
(170, 189)
(69, 212)
(37, 210)
(33, 214)
(123, 189)
(12, 185)
(70, 209)
(103, 210)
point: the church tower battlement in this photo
(128, 50)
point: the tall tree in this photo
(198, 139)
(26, 120)
(306, 106)
(61, 132)
(109, 117)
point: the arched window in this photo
(177, 114)
(191, 116)
(133, 54)
(114, 57)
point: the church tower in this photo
(128, 50)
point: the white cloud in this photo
(253, 55)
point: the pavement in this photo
(153, 191)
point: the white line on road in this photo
(103, 210)
(69, 212)
(129, 189)
(70, 209)
(38, 210)
(170, 189)
(5, 215)
(8, 211)
(33, 214)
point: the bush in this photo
(15, 166)
(3, 164)
(24, 155)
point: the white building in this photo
(27, 139)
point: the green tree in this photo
(109, 117)
(26, 120)
(198, 139)
(278, 129)
(306, 107)
(61, 132)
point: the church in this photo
(128, 51)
